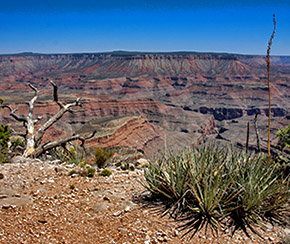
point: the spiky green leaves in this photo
(219, 188)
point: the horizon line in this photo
(128, 52)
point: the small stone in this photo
(6, 206)
(107, 199)
(147, 240)
(175, 233)
(118, 213)
(16, 195)
(142, 163)
(42, 220)
(3, 196)
(100, 207)
(144, 229)
(127, 205)
(1, 176)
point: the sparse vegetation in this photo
(84, 171)
(91, 172)
(71, 155)
(284, 138)
(220, 188)
(284, 147)
(102, 155)
(5, 133)
(17, 144)
(106, 172)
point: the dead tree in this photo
(257, 132)
(34, 145)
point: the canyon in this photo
(152, 101)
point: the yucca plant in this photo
(168, 179)
(260, 192)
(220, 188)
(208, 189)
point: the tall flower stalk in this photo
(269, 87)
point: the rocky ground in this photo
(41, 203)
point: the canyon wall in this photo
(182, 92)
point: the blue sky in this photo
(98, 26)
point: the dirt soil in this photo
(41, 203)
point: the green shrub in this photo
(4, 136)
(17, 144)
(219, 187)
(284, 143)
(106, 172)
(71, 154)
(284, 137)
(101, 156)
(91, 172)
(72, 172)
(4, 139)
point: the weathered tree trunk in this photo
(248, 134)
(30, 142)
(257, 132)
(34, 147)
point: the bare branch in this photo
(15, 116)
(14, 133)
(33, 147)
(33, 88)
(50, 145)
(40, 132)
(55, 94)
(83, 140)
(63, 109)
(32, 101)
(37, 119)
(257, 132)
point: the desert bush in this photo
(219, 188)
(4, 139)
(102, 156)
(106, 172)
(17, 144)
(284, 146)
(72, 154)
(91, 172)
(284, 138)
